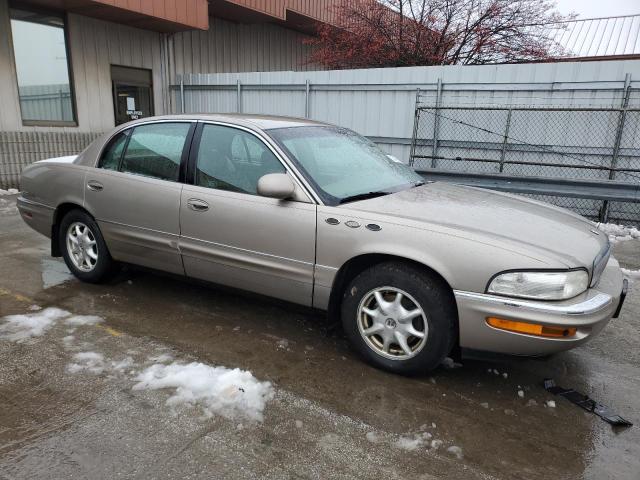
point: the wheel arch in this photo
(59, 213)
(356, 265)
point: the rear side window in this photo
(112, 154)
(155, 150)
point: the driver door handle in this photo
(197, 205)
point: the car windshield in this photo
(342, 165)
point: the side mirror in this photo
(276, 185)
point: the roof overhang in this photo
(157, 15)
(304, 17)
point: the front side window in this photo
(342, 165)
(42, 67)
(234, 160)
(155, 150)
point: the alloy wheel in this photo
(82, 247)
(392, 323)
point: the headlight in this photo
(540, 285)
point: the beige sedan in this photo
(317, 215)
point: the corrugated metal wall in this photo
(95, 45)
(237, 47)
(380, 103)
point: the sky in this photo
(599, 8)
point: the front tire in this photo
(83, 248)
(399, 317)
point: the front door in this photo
(135, 194)
(232, 236)
(132, 93)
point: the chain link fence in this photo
(582, 143)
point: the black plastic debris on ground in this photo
(586, 403)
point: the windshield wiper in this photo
(363, 196)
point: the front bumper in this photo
(589, 312)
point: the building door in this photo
(132, 93)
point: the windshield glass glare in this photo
(340, 163)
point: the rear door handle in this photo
(94, 186)
(197, 205)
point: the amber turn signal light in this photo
(531, 328)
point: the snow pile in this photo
(455, 450)
(412, 443)
(18, 328)
(122, 365)
(631, 274)
(11, 191)
(218, 390)
(7, 207)
(619, 233)
(90, 362)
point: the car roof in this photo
(254, 122)
(260, 122)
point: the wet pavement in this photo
(332, 416)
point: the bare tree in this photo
(389, 33)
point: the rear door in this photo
(231, 235)
(135, 193)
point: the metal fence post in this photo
(181, 94)
(604, 214)
(307, 92)
(505, 141)
(414, 135)
(239, 96)
(436, 124)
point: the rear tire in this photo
(84, 249)
(399, 317)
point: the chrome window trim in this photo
(592, 305)
(279, 154)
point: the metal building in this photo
(70, 70)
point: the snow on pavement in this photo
(631, 274)
(91, 362)
(411, 443)
(11, 191)
(231, 393)
(19, 328)
(8, 207)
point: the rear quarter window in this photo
(113, 153)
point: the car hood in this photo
(543, 231)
